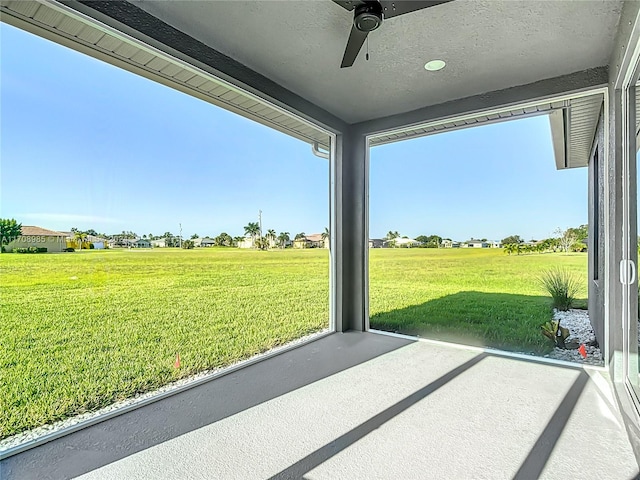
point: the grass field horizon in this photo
(79, 331)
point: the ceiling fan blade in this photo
(354, 44)
(348, 4)
(394, 8)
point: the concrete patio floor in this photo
(360, 406)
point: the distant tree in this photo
(578, 246)
(566, 238)
(271, 236)
(300, 235)
(422, 239)
(580, 233)
(224, 240)
(283, 238)
(237, 240)
(91, 231)
(391, 238)
(510, 248)
(80, 237)
(512, 239)
(10, 229)
(325, 236)
(525, 248)
(483, 239)
(434, 241)
(188, 244)
(194, 236)
(253, 230)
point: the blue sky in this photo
(92, 146)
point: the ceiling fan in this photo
(369, 14)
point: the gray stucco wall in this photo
(596, 242)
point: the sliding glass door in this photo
(631, 245)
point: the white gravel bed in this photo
(36, 433)
(580, 332)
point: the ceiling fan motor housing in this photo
(368, 16)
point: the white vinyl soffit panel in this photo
(100, 42)
(573, 125)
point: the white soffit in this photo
(74, 31)
(573, 124)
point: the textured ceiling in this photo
(488, 45)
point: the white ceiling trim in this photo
(575, 140)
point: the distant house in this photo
(401, 243)
(33, 236)
(495, 244)
(448, 243)
(477, 244)
(207, 242)
(122, 242)
(159, 243)
(314, 240)
(203, 242)
(376, 243)
(141, 243)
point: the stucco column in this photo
(351, 232)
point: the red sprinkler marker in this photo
(176, 364)
(582, 351)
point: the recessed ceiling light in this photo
(434, 65)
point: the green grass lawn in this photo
(473, 296)
(82, 330)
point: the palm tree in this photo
(300, 236)
(237, 240)
(271, 236)
(283, 238)
(80, 237)
(252, 229)
(325, 236)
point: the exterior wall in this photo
(596, 240)
(52, 244)
(300, 244)
(246, 243)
